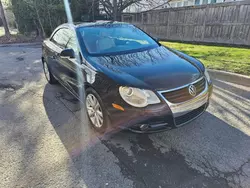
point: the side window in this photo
(72, 44)
(197, 2)
(61, 37)
(205, 2)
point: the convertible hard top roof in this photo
(96, 23)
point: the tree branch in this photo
(161, 5)
(127, 3)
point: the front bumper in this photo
(163, 116)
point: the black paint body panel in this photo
(156, 69)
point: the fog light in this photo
(144, 127)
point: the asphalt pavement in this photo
(45, 140)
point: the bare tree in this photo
(5, 25)
(115, 8)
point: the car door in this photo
(68, 66)
(57, 43)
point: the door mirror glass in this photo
(68, 53)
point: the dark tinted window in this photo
(61, 37)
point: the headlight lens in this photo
(207, 75)
(138, 97)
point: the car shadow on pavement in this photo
(183, 157)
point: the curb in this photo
(230, 77)
(215, 74)
(21, 44)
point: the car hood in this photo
(157, 69)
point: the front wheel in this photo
(96, 111)
(49, 76)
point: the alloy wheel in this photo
(94, 110)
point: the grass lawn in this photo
(214, 57)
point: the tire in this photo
(98, 126)
(48, 75)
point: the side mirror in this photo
(68, 53)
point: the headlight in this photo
(138, 97)
(207, 75)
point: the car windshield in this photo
(114, 38)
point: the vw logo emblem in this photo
(192, 90)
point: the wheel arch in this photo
(42, 59)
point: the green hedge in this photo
(43, 16)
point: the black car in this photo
(129, 80)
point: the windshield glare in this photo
(114, 38)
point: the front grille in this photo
(189, 116)
(182, 95)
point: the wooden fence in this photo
(225, 23)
